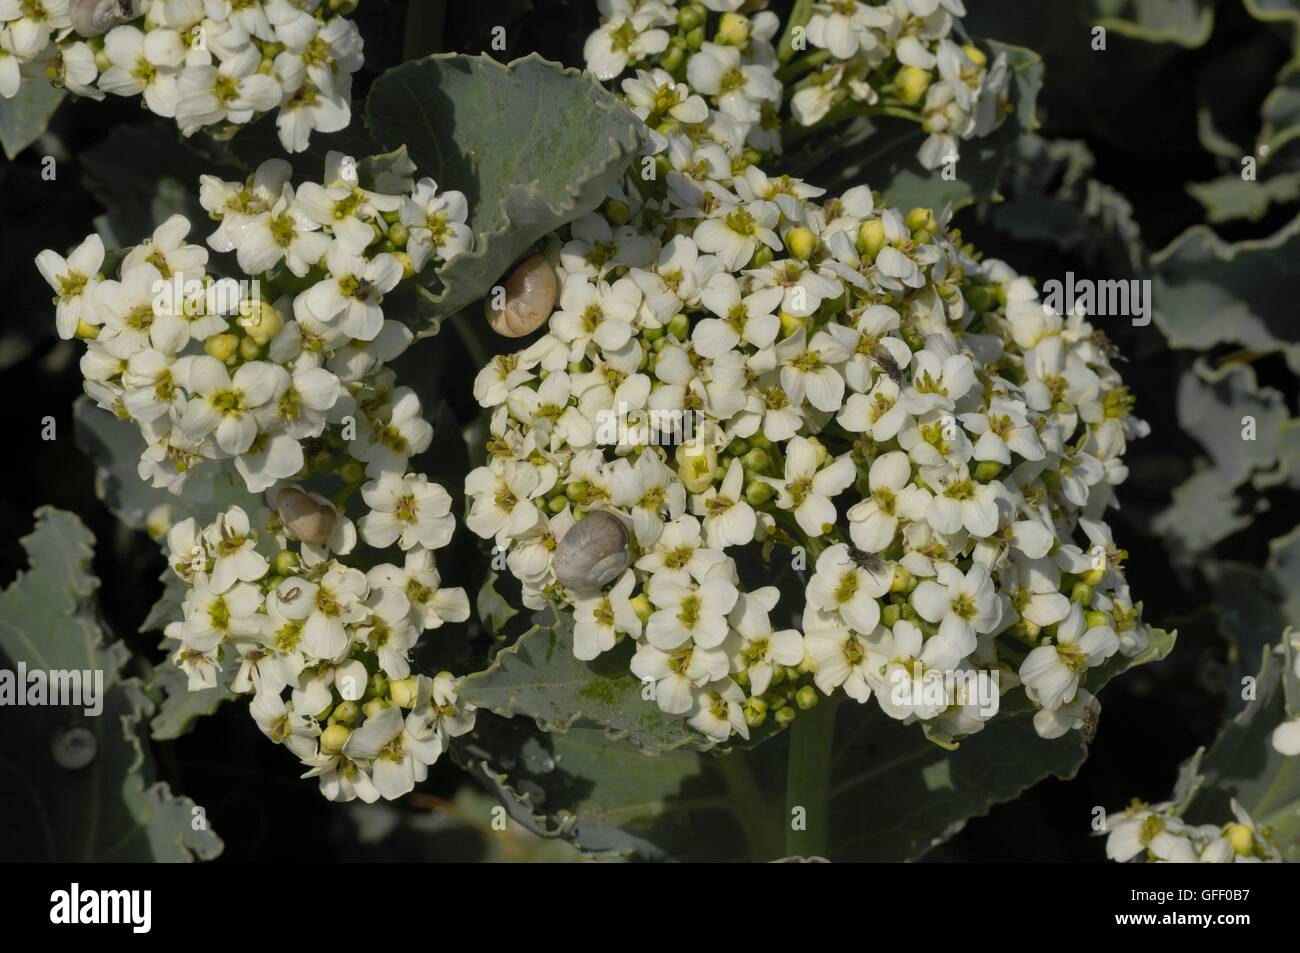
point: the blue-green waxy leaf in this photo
(1204, 511)
(1232, 417)
(539, 677)
(888, 792)
(1184, 22)
(24, 117)
(79, 785)
(1207, 291)
(531, 144)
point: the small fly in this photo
(868, 561)
(886, 362)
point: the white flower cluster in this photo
(210, 371)
(860, 388)
(896, 57)
(1154, 833)
(208, 64)
(336, 639)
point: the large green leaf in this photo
(1216, 406)
(23, 118)
(1208, 291)
(1184, 22)
(539, 677)
(110, 808)
(531, 144)
(888, 793)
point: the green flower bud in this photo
(762, 256)
(641, 606)
(755, 712)
(249, 349)
(911, 84)
(333, 738)
(690, 17)
(286, 562)
(578, 492)
(986, 470)
(375, 706)
(345, 713)
(398, 234)
(784, 716)
(377, 687)
(1093, 577)
(889, 615)
(617, 212)
(871, 238)
(757, 492)
(737, 448)
(1081, 593)
(350, 471)
(801, 243)
(223, 347)
(1096, 619)
(734, 30)
(402, 692)
(981, 298)
(556, 504)
(680, 327)
(695, 38)
(672, 59)
(806, 697)
(756, 461)
(902, 581)
(920, 218)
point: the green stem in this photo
(745, 796)
(793, 132)
(808, 777)
(799, 16)
(802, 65)
(478, 351)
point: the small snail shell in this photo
(74, 748)
(530, 293)
(593, 553)
(94, 17)
(305, 518)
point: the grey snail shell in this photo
(593, 553)
(305, 519)
(530, 294)
(95, 17)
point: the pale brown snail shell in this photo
(530, 294)
(305, 519)
(96, 17)
(593, 553)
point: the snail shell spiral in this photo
(593, 553)
(530, 294)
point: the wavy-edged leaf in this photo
(110, 809)
(1204, 511)
(1232, 417)
(539, 677)
(1208, 291)
(531, 144)
(1186, 23)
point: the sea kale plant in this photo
(644, 437)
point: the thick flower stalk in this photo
(769, 389)
(209, 64)
(830, 61)
(282, 376)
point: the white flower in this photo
(719, 711)
(282, 232)
(622, 41)
(962, 604)
(418, 579)
(842, 587)
(225, 404)
(283, 725)
(873, 523)
(728, 519)
(735, 232)
(74, 280)
(1051, 672)
(761, 649)
(808, 490)
(144, 63)
(436, 223)
(686, 611)
(232, 543)
(398, 757)
(599, 618)
(960, 501)
(738, 88)
(230, 93)
(677, 674)
(408, 510)
(844, 659)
